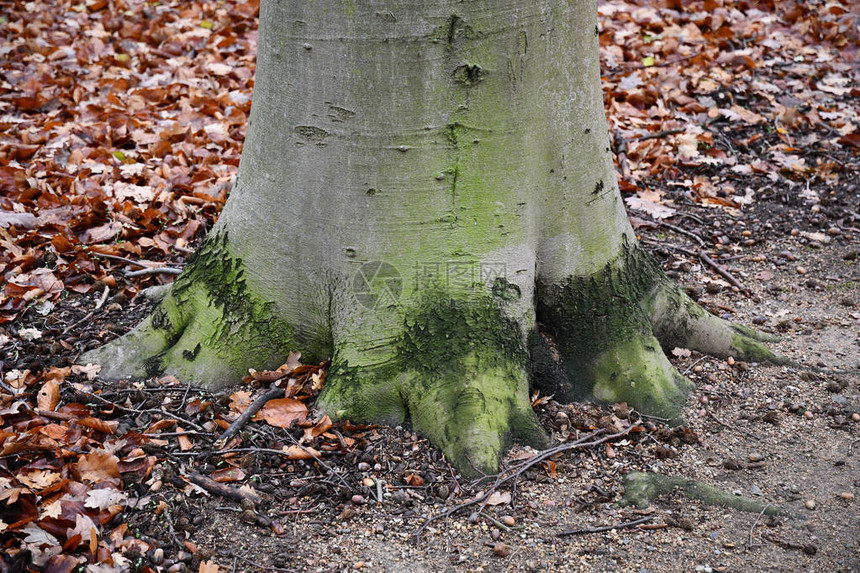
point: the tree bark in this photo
(423, 185)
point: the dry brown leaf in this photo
(99, 466)
(499, 498)
(320, 427)
(49, 395)
(300, 453)
(282, 412)
(208, 567)
(226, 475)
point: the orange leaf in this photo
(323, 425)
(49, 395)
(208, 567)
(108, 427)
(99, 466)
(282, 412)
(239, 401)
(299, 453)
(226, 475)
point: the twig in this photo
(154, 271)
(224, 490)
(685, 232)
(144, 265)
(723, 272)
(249, 412)
(757, 519)
(90, 314)
(633, 523)
(517, 470)
(660, 134)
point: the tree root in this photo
(642, 489)
(612, 330)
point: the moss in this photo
(458, 370)
(441, 331)
(642, 489)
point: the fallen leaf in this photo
(104, 498)
(49, 395)
(226, 475)
(282, 412)
(299, 453)
(499, 498)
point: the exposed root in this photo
(642, 489)
(458, 372)
(612, 329)
(679, 321)
(208, 328)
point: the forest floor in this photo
(742, 153)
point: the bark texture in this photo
(422, 184)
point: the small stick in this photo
(255, 407)
(124, 260)
(723, 272)
(660, 134)
(633, 523)
(685, 232)
(757, 519)
(223, 490)
(90, 314)
(154, 271)
(517, 470)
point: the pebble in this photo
(731, 361)
(847, 496)
(157, 556)
(810, 504)
(502, 549)
(801, 270)
(368, 482)
(249, 516)
(495, 534)
(357, 499)
(508, 520)
(808, 415)
(855, 416)
(363, 466)
(755, 457)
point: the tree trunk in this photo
(423, 184)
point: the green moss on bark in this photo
(459, 373)
(602, 328)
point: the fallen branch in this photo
(223, 490)
(633, 523)
(516, 471)
(249, 412)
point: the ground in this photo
(784, 225)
